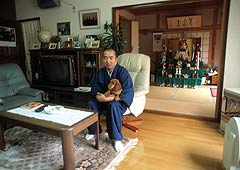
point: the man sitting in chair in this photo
(113, 109)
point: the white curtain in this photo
(30, 30)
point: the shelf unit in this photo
(86, 61)
(91, 62)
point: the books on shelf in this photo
(31, 105)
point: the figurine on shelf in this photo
(178, 69)
(182, 53)
(164, 72)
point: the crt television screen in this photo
(57, 71)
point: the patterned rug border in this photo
(28, 150)
(120, 157)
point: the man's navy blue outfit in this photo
(114, 110)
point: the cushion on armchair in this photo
(138, 66)
(12, 80)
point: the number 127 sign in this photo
(184, 22)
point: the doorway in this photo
(148, 9)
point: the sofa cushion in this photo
(17, 100)
(11, 79)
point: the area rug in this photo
(213, 91)
(28, 150)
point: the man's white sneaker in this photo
(89, 136)
(103, 135)
(118, 146)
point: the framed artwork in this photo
(184, 22)
(63, 28)
(95, 44)
(7, 36)
(36, 46)
(157, 41)
(52, 45)
(89, 19)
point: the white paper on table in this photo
(66, 117)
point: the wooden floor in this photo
(174, 143)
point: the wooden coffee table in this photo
(65, 132)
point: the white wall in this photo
(50, 17)
(232, 62)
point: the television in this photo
(57, 70)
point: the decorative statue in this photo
(178, 69)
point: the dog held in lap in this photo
(114, 88)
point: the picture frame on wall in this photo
(157, 41)
(89, 19)
(7, 36)
(63, 28)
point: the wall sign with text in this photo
(184, 22)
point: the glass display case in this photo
(91, 61)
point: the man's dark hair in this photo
(110, 49)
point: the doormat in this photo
(28, 150)
(213, 91)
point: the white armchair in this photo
(138, 66)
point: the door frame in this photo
(224, 27)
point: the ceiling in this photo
(153, 8)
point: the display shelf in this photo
(178, 82)
(85, 63)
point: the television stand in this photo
(51, 69)
(64, 95)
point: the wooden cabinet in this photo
(84, 62)
(91, 61)
(59, 71)
(214, 79)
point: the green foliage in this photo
(112, 38)
(206, 68)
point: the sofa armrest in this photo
(30, 91)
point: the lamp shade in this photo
(44, 36)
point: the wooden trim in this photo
(226, 7)
(29, 19)
(213, 27)
(179, 115)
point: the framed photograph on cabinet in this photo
(95, 44)
(89, 19)
(36, 46)
(52, 46)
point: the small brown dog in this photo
(114, 88)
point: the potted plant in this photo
(112, 38)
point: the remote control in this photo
(41, 108)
